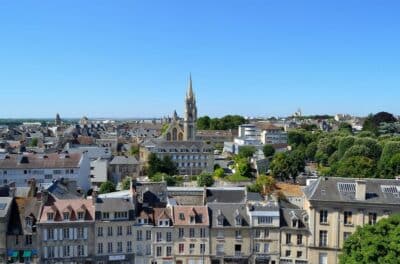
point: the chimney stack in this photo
(361, 190)
(94, 197)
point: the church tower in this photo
(189, 125)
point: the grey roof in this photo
(113, 204)
(254, 196)
(378, 191)
(290, 214)
(226, 195)
(229, 211)
(5, 204)
(64, 189)
(161, 143)
(124, 160)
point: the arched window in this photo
(174, 134)
(180, 136)
(168, 136)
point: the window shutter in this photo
(45, 251)
(71, 233)
(45, 235)
(61, 251)
(75, 233)
(85, 252)
(61, 235)
(55, 230)
(56, 248)
(85, 233)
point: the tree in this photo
(385, 168)
(34, 142)
(166, 165)
(297, 163)
(126, 183)
(219, 173)
(372, 122)
(280, 167)
(263, 185)
(311, 150)
(205, 179)
(107, 187)
(203, 123)
(344, 144)
(246, 151)
(345, 127)
(356, 167)
(134, 151)
(243, 167)
(268, 150)
(373, 243)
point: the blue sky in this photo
(254, 57)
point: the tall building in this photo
(190, 114)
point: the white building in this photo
(45, 168)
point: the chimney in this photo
(94, 197)
(361, 190)
(45, 196)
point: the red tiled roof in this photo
(200, 212)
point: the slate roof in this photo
(5, 205)
(123, 160)
(378, 191)
(254, 196)
(23, 207)
(113, 204)
(229, 212)
(38, 161)
(226, 195)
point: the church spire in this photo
(189, 93)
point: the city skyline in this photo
(261, 58)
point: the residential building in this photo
(5, 212)
(123, 166)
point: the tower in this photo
(189, 123)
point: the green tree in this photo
(166, 165)
(280, 167)
(344, 144)
(377, 243)
(263, 185)
(34, 142)
(205, 179)
(311, 150)
(345, 127)
(107, 187)
(372, 122)
(126, 183)
(246, 151)
(390, 149)
(219, 173)
(134, 151)
(356, 167)
(268, 150)
(297, 163)
(203, 123)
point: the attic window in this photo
(181, 216)
(295, 223)
(81, 215)
(238, 220)
(346, 187)
(28, 222)
(66, 215)
(50, 216)
(220, 220)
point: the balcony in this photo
(238, 254)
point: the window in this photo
(80, 233)
(323, 217)
(202, 248)
(191, 232)
(257, 233)
(81, 215)
(257, 247)
(148, 234)
(323, 238)
(192, 219)
(299, 239)
(109, 231)
(109, 247)
(119, 230)
(148, 249)
(169, 236)
(128, 230)
(348, 218)
(299, 254)
(287, 253)
(66, 215)
(119, 247)
(50, 252)
(202, 232)
(66, 251)
(294, 223)
(28, 240)
(169, 251)
(66, 233)
(220, 249)
(181, 216)
(181, 248)
(265, 220)
(372, 218)
(50, 234)
(129, 246)
(181, 232)
(100, 231)
(139, 235)
(121, 215)
(288, 238)
(220, 220)
(323, 258)
(159, 251)
(238, 220)
(266, 248)
(50, 216)
(266, 233)
(81, 250)
(238, 234)
(346, 235)
(100, 248)
(191, 248)
(106, 215)
(159, 236)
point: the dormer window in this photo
(181, 216)
(238, 220)
(66, 216)
(295, 223)
(50, 216)
(28, 222)
(220, 220)
(81, 215)
(163, 222)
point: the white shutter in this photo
(75, 233)
(85, 232)
(55, 230)
(71, 233)
(56, 248)
(61, 251)
(60, 231)
(76, 250)
(45, 234)
(85, 252)
(45, 252)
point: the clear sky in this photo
(251, 57)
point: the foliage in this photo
(205, 179)
(236, 177)
(311, 150)
(164, 128)
(345, 127)
(377, 243)
(219, 173)
(243, 167)
(166, 165)
(107, 187)
(126, 183)
(246, 151)
(268, 150)
(34, 142)
(372, 122)
(385, 165)
(356, 167)
(134, 151)
(263, 185)
(159, 176)
(224, 123)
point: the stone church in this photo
(191, 156)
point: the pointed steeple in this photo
(189, 93)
